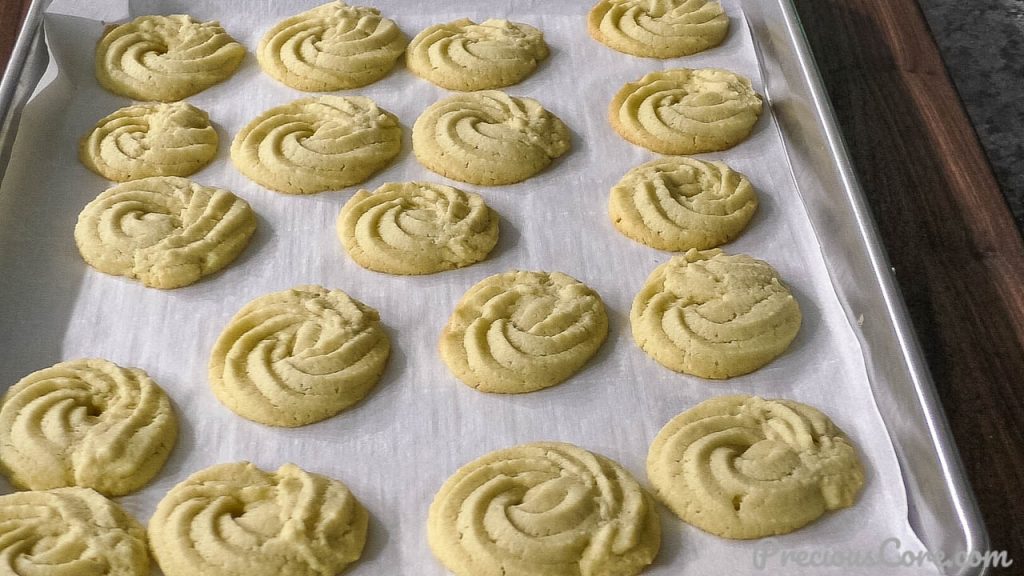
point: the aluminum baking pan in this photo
(941, 507)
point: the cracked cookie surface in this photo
(298, 356)
(488, 138)
(746, 467)
(714, 315)
(522, 331)
(87, 423)
(237, 520)
(417, 228)
(543, 509)
(164, 231)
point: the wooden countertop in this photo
(957, 254)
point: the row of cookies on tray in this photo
(488, 137)
(518, 510)
(337, 47)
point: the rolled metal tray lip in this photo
(976, 539)
(975, 535)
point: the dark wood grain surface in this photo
(949, 234)
(958, 257)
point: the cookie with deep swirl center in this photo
(464, 55)
(298, 356)
(488, 138)
(658, 28)
(331, 47)
(165, 58)
(85, 423)
(684, 111)
(522, 331)
(417, 228)
(146, 140)
(164, 231)
(237, 520)
(316, 144)
(69, 532)
(544, 508)
(681, 203)
(746, 467)
(714, 315)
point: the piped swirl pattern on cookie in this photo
(165, 58)
(150, 140)
(417, 228)
(85, 423)
(522, 331)
(464, 55)
(298, 356)
(658, 28)
(164, 231)
(684, 111)
(237, 520)
(331, 47)
(543, 508)
(69, 532)
(745, 467)
(681, 203)
(488, 138)
(714, 315)
(316, 144)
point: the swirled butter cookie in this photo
(547, 509)
(164, 231)
(745, 467)
(146, 140)
(331, 47)
(684, 111)
(417, 228)
(680, 203)
(69, 532)
(237, 520)
(488, 138)
(85, 423)
(464, 55)
(316, 144)
(298, 356)
(522, 331)
(714, 315)
(658, 28)
(165, 58)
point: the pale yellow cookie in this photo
(658, 28)
(679, 203)
(684, 111)
(69, 532)
(316, 144)
(146, 140)
(165, 58)
(745, 467)
(464, 55)
(237, 520)
(297, 356)
(417, 228)
(522, 331)
(85, 423)
(714, 315)
(164, 231)
(546, 508)
(331, 47)
(488, 138)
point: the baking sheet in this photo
(396, 448)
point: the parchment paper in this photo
(395, 449)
